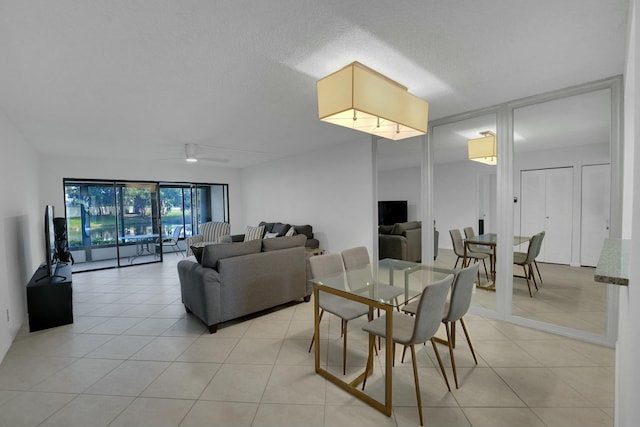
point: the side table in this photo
(314, 251)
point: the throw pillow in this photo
(270, 235)
(280, 228)
(214, 253)
(197, 251)
(291, 232)
(307, 230)
(253, 233)
(283, 243)
(268, 226)
(224, 239)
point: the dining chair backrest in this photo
(176, 233)
(326, 265)
(357, 264)
(461, 293)
(534, 248)
(355, 258)
(430, 308)
(535, 255)
(458, 244)
(469, 233)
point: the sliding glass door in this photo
(92, 223)
(121, 223)
(138, 223)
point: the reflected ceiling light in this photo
(190, 153)
(484, 149)
(360, 98)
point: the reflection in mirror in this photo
(464, 197)
(562, 187)
(399, 199)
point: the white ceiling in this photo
(123, 79)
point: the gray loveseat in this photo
(237, 279)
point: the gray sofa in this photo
(237, 279)
(403, 240)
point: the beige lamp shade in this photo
(360, 98)
(484, 149)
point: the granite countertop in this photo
(613, 265)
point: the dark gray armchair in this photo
(403, 241)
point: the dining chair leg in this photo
(444, 373)
(485, 270)
(344, 347)
(415, 377)
(453, 334)
(453, 360)
(538, 270)
(369, 368)
(404, 350)
(526, 277)
(466, 334)
(314, 333)
(533, 276)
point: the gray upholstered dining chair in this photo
(458, 249)
(470, 234)
(527, 259)
(331, 265)
(455, 309)
(412, 330)
(357, 265)
(522, 255)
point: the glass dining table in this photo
(386, 285)
(490, 240)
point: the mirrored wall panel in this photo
(399, 199)
(562, 195)
(464, 198)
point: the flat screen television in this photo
(390, 212)
(49, 241)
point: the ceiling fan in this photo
(194, 153)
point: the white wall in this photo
(627, 410)
(402, 184)
(55, 168)
(331, 189)
(456, 192)
(22, 247)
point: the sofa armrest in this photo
(200, 291)
(312, 243)
(414, 244)
(392, 246)
(191, 240)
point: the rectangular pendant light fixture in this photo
(484, 149)
(360, 98)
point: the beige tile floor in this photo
(568, 296)
(134, 358)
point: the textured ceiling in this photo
(123, 79)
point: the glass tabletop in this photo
(389, 281)
(492, 239)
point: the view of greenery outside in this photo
(97, 203)
(175, 209)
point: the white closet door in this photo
(533, 200)
(546, 197)
(559, 214)
(594, 227)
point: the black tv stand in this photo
(49, 298)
